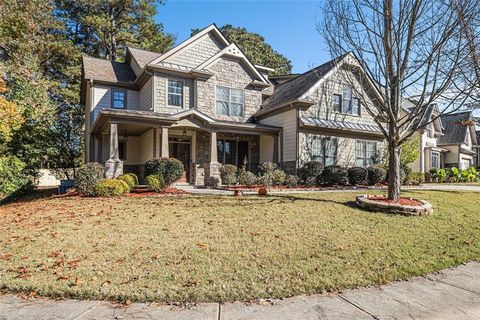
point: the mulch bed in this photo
(147, 193)
(401, 201)
(297, 188)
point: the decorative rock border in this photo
(365, 201)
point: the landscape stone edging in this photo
(366, 202)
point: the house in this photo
(445, 141)
(459, 138)
(205, 103)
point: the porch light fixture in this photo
(184, 132)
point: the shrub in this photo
(357, 175)
(405, 174)
(87, 178)
(228, 173)
(268, 167)
(213, 182)
(334, 175)
(291, 181)
(110, 187)
(415, 178)
(155, 183)
(469, 175)
(170, 169)
(376, 175)
(310, 172)
(12, 176)
(128, 179)
(441, 175)
(247, 178)
(278, 177)
(134, 177)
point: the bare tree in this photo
(407, 48)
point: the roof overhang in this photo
(302, 104)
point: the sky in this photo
(288, 26)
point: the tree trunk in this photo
(393, 172)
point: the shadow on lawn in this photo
(293, 198)
(22, 196)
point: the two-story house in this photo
(204, 103)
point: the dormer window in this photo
(175, 93)
(229, 101)
(119, 99)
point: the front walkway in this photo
(451, 294)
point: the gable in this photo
(197, 52)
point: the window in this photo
(175, 93)
(232, 152)
(229, 101)
(119, 99)
(435, 157)
(324, 149)
(337, 102)
(365, 152)
(122, 150)
(345, 102)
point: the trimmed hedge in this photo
(278, 177)
(134, 177)
(170, 169)
(131, 182)
(155, 183)
(110, 188)
(335, 174)
(247, 178)
(310, 173)
(291, 181)
(376, 175)
(357, 175)
(87, 178)
(213, 182)
(228, 173)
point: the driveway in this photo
(452, 294)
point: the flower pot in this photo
(262, 191)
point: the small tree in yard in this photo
(413, 48)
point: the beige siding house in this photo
(204, 103)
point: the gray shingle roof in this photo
(143, 56)
(106, 70)
(344, 125)
(294, 88)
(455, 127)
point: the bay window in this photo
(365, 152)
(324, 149)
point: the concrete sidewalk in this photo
(451, 294)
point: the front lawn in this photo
(206, 248)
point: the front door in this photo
(181, 151)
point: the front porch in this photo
(125, 140)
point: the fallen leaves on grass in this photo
(6, 256)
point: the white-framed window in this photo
(337, 102)
(346, 102)
(324, 149)
(365, 152)
(175, 93)
(435, 159)
(119, 99)
(229, 101)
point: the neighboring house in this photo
(476, 149)
(204, 103)
(459, 138)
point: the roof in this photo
(342, 125)
(296, 87)
(455, 127)
(143, 56)
(106, 70)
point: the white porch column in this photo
(113, 166)
(113, 141)
(213, 147)
(165, 153)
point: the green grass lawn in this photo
(206, 248)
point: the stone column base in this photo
(212, 170)
(113, 168)
(198, 175)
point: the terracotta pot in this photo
(237, 193)
(262, 191)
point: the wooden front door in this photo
(181, 150)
